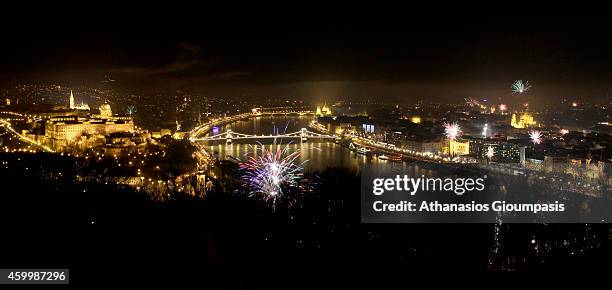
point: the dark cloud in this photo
(192, 66)
(189, 57)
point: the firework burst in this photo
(131, 110)
(452, 130)
(563, 131)
(519, 87)
(535, 136)
(271, 171)
(471, 102)
(490, 152)
(503, 107)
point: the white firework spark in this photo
(131, 110)
(452, 130)
(471, 102)
(490, 152)
(485, 130)
(520, 87)
(536, 136)
(503, 107)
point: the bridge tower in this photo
(303, 134)
(228, 136)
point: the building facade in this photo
(63, 131)
(73, 106)
(423, 146)
(503, 151)
(457, 147)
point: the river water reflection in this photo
(315, 155)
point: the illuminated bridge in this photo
(256, 112)
(301, 111)
(229, 135)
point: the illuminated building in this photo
(504, 151)
(368, 128)
(74, 106)
(325, 111)
(105, 111)
(70, 130)
(578, 167)
(524, 121)
(423, 146)
(70, 127)
(165, 132)
(415, 119)
(457, 147)
(343, 127)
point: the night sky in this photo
(316, 51)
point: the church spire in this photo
(71, 100)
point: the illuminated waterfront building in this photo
(324, 111)
(423, 146)
(504, 151)
(578, 167)
(457, 147)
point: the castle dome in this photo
(105, 110)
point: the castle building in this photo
(70, 127)
(105, 111)
(63, 131)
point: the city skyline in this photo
(222, 146)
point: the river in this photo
(315, 155)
